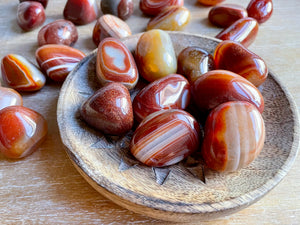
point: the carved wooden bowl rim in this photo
(182, 197)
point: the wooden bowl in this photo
(186, 191)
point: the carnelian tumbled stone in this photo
(243, 31)
(226, 14)
(154, 7)
(58, 32)
(20, 74)
(210, 2)
(9, 97)
(234, 136)
(110, 26)
(57, 61)
(115, 63)
(43, 2)
(30, 15)
(155, 55)
(81, 12)
(230, 55)
(120, 8)
(22, 130)
(193, 62)
(170, 92)
(171, 18)
(165, 137)
(218, 86)
(261, 10)
(109, 109)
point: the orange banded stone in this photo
(171, 18)
(9, 97)
(115, 63)
(234, 136)
(110, 26)
(155, 55)
(226, 14)
(170, 92)
(154, 7)
(22, 130)
(165, 137)
(218, 86)
(210, 2)
(243, 31)
(20, 74)
(230, 55)
(57, 61)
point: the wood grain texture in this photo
(45, 188)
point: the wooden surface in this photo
(45, 188)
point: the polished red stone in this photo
(171, 18)
(261, 10)
(43, 2)
(210, 2)
(120, 8)
(30, 15)
(58, 32)
(243, 31)
(234, 136)
(115, 63)
(109, 109)
(155, 55)
(20, 74)
(81, 12)
(22, 130)
(170, 92)
(57, 61)
(165, 137)
(193, 62)
(226, 14)
(110, 26)
(154, 7)
(219, 86)
(9, 97)
(230, 55)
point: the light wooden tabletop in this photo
(45, 188)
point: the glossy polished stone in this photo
(20, 74)
(43, 2)
(165, 137)
(110, 26)
(22, 130)
(30, 15)
(234, 136)
(171, 18)
(261, 10)
(115, 63)
(9, 97)
(219, 86)
(154, 7)
(226, 14)
(193, 62)
(57, 61)
(109, 109)
(243, 31)
(58, 32)
(170, 92)
(155, 55)
(210, 2)
(81, 12)
(120, 8)
(230, 55)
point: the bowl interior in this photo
(186, 187)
